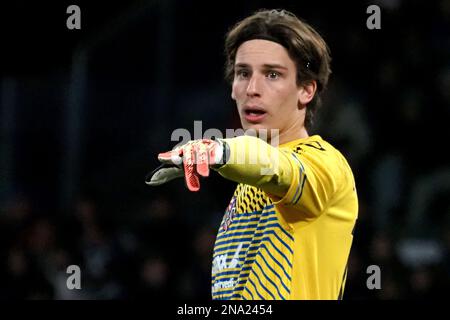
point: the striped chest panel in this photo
(253, 253)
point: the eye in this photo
(242, 73)
(273, 75)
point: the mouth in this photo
(254, 114)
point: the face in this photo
(266, 92)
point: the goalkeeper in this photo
(287, 232)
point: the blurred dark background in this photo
(83, 114)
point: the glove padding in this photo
(192, 160)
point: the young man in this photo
(287, 231)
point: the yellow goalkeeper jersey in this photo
(294, 246)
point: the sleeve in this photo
(315, 180)
(304, 181)
(257, 163)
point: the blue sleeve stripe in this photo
(286, 233)
(253, 241)
(263, 286)
(281, 241)
(220, 250)
(222, 294)
(243, 233)
(277, 262)
(256, 290)
(273, 271)
(229, 241)
(238, 224)
(270, 280)
(301, 182)
(264, 210)
(251, 294)
(229, 274)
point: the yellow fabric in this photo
(254, 162)
(286, 234)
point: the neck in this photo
(290, 135)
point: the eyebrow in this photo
(265, 66)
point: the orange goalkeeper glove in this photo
(192, 160)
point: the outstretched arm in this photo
(244, 159)
(252, 161)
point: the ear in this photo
(233, 93)
(306, 92)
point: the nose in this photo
(254, 86)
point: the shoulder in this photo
(314, 146)
(317, 152)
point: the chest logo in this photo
(230, 213)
